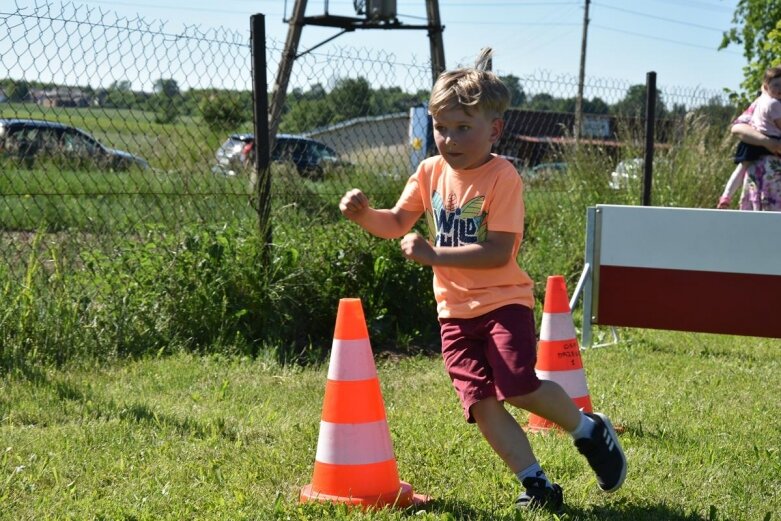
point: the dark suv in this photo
(26, 140)
(310, 157)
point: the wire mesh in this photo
(110, 128)
(149, 131)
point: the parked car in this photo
(545, 172)
(310, 157)
(27, 140)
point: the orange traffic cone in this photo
(558, 352)
(354, 463)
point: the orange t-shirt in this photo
(460, 207)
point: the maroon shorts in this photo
(491, 355)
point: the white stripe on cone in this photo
(354, 443)
(557, 326)
(351, 360)
(573, 382)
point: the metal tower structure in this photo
(377, 14)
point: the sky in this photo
(626, 39)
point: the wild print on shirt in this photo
(450, 225)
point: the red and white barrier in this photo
(714, 271)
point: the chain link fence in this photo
(148, 132)
(105, 133)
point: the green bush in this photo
(208, 289)
(223, 111)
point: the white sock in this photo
(533, 471)
(584, 428)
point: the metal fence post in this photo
(650, 119)
(262, 172)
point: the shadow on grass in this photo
(636, 513)
(653, 432)
(462, 510)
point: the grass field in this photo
(124, 293)
(187, 437)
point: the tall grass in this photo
(113, 265)
(691, 172)
(207, 289)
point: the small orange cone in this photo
(355, 463)
(558, 351)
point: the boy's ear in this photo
(497, 126)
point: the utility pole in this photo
(435, 39)
(581, 77)
(279, 91)
(298, 20)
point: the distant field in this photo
(185, 145)
(105, 201)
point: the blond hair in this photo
(471, 88)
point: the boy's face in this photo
(773, 88)
(465, 140)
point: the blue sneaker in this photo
(604, 454)
(539, 496)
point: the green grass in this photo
(124, 293)
(189, 437)
(104, 264)
(115, 201)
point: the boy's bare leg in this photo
(503, 433)
(600, 446)
(509, 441)
(551, 402)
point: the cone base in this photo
(402, 498)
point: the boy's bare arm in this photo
(495, 251)
(383, 223)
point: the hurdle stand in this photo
(696, 270)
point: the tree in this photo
(543, 101)
(757, 27)
(350, 98)
(517, 95)
(316, 91)
(305, 110)
(119, 95)
(387, 100)
(306, 115)
(120, 85)
(164, 102)
(633, 104)
(167, 87)
(223, 110)
(595, 106)
(16, 90)
(716, 112)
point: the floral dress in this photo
(762, 185)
